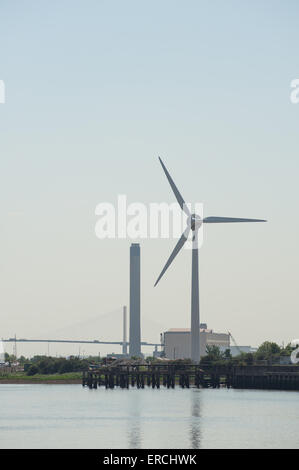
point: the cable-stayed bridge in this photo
(110, 324)
(72, 341)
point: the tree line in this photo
(268, 353)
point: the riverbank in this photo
(22, 378)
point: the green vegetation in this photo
(268, 353)
(53, 365)
(50, 367)
(22, 377)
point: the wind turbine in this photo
(194, 223)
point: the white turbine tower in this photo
(194, 222)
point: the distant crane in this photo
(234, 341)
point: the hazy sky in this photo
(95, 91)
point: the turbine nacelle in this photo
(194, 222)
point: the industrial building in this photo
(177, 341)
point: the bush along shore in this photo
(23, 378)
(44, 369)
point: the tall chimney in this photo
(125, 330)
(135, 346)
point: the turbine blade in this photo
(175, 190)
(221, 220)
(176, 250)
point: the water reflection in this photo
(150, 419)
(195, 432)
(134, 428)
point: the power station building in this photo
(135, 332)
(177, 341)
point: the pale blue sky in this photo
(95, 91)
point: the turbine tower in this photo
(194, 223)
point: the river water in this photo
(70, 416)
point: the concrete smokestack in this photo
(135, 346)
(125, 330)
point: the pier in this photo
(192, 375)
